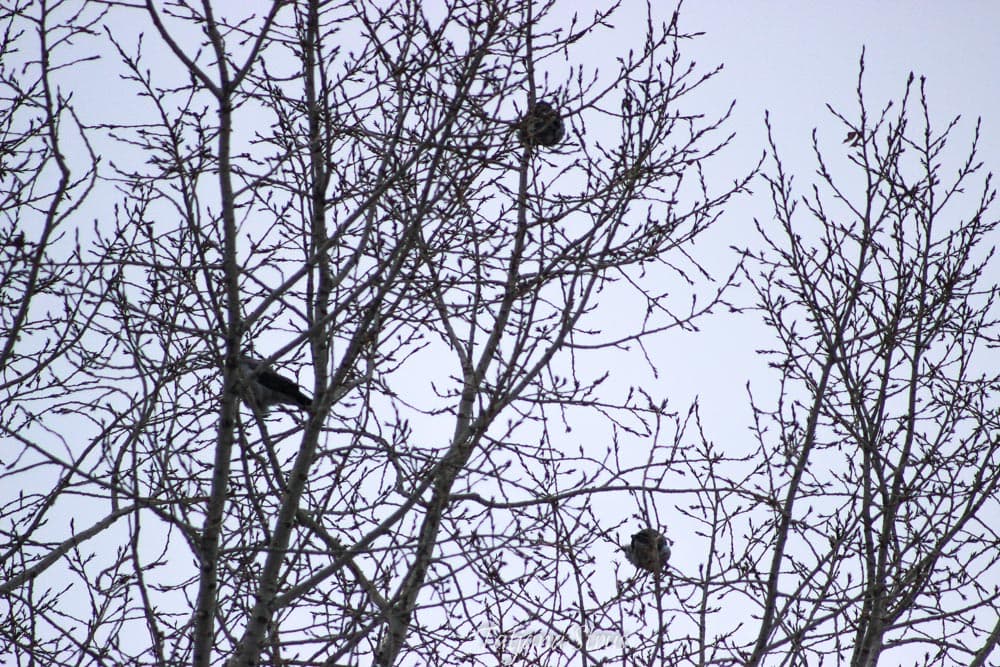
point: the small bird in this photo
(648, 550)
(265, 388)
(541, 126)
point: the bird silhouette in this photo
(264, 388)
(648, 550)
(541, 126)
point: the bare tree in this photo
(881, 455)
(370, 199)
(50, 292)
(42, 272)
(342, 184)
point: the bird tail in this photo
(303, 401)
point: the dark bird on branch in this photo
(648, 550)
(264, 388)
(541, 126)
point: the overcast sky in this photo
(792, 58)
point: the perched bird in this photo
(265, 388)
(541, 126)
(648, 550)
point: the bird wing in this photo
(282, 385)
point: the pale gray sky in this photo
(790, 58)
